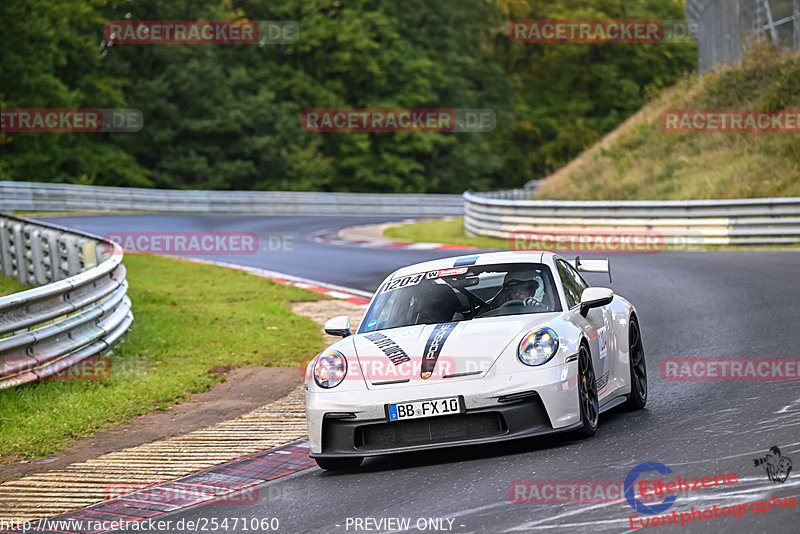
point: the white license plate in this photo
(426, 408)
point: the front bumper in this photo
(519, 419)
(496, 408)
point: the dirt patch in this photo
(244, 390)
(220, 371)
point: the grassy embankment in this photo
(189, 319)
(639, 161)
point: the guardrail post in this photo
(53, 256)
(6, 240)
(73, 255)
(89, 254)
(37, 257)
(19, 260)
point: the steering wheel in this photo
(529, 301)
(477, 304)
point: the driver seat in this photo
(440, 304)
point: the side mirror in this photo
(338, 326)
(594, 297)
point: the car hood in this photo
(448, 351)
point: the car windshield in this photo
(461, 294)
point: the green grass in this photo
(10, 285)
(639, 161)
(189, 318)
(450, 231)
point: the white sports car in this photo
(474, 349)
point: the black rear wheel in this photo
(638, 369)
(339, 464)
(587, 395)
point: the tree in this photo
(50, 57)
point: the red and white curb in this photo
(229, 483)
(353, 296)
(334, 237)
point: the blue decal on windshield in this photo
(470, 260)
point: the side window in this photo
(573, 283)
(579, 281)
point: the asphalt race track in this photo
(690, 304)
(358, 268)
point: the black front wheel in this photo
(339, 464)
(587, 395)
(638, 369)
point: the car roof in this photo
(487, 258)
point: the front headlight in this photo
(538, 347)
(330, 369)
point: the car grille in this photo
(430, 430)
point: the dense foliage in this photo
(227, 116)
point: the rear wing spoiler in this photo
(592, 266)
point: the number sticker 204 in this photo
(426, 408)
(410, 280)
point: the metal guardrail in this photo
(762, 221)
(40, 196)
(79, 309)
